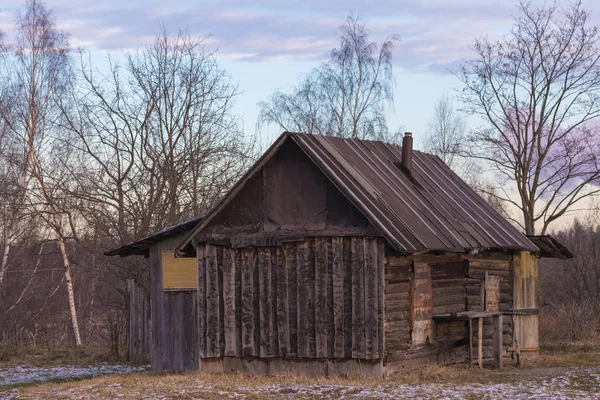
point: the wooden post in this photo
(498, 340)
(480, 343)
(470, 340)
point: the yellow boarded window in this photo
(179, 273)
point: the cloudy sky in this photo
(268, 44)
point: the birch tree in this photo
(346, 96)
(538, 93)
(36, 76)
(446, 132)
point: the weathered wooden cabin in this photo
(343, 256)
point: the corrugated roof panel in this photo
(432, 210)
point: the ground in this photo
(561, 372)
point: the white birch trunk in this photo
(4, 264)
(70, 291)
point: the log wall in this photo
(320, 298)
(412, 337)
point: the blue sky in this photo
(268, 44)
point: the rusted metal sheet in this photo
(430, 209)
(550, 247)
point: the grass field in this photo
(562, 371)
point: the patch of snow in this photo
(31, 374)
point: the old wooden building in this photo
(340, 256)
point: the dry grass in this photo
(44, 356)
(556, 360)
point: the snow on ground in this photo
(30, 374)
(554, 383)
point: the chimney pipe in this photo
(407, 144)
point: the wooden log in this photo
(393, 288)
(337, 254)
(371, 317)
(321, 306)
(213, 323)
(451, 308)
(283, 339)
(451, 290)
(265, 302)
(248, 317)
(358, 298)
(449, 300)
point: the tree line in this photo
(92, 158)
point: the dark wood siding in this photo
(293, 300)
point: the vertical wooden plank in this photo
(381, 295)
(274, 295)
(498, 340)
(195, 361)
(337, 254)
(358, 298)
(265, 301)
(177, 308)
(229, 309)
(480, 342)
(248, 323)
(347, 266)
(321, 309)
(201, 255)
(213, 323)
(221, 301)
(330, 312)
(371, 301)
(256, 309)
(131, 332)
(291, 263)
(283, 339)
(311, 297)
(304, 303)
(144, 327)
(237, 260)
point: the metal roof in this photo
(141, 247)
(431, 209)
(550, 247)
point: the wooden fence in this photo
(138, 334)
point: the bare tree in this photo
(156, 139)
(345, 96)
(446, 132)
(537, 90)
(36, 76)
